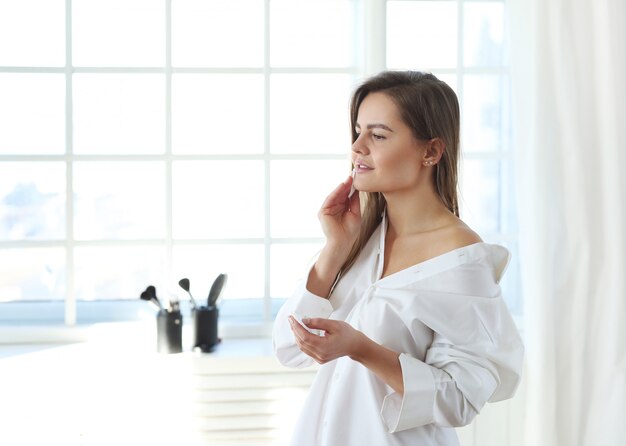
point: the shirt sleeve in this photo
(461, 371)
(302, 303)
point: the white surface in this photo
(112, 392)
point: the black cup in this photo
(205, 328)
(169, 332)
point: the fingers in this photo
(320, 324)
(301, 332)
(355, 204)
(321, 348)
(338, 196)
(340, 191)
(307, 342)
(298, 330)
(316, 352)
(312, 353)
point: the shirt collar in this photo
(498, 258)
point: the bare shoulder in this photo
(458, 235)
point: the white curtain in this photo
(568, 77)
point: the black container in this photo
(204, 321)
(169, 332)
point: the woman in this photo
(402, 307)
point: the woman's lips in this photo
(362, 168)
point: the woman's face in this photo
(387, 156)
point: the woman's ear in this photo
(434, 151)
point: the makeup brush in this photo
(216, 289)
(150, 295)
(153, 297)
(184, 284)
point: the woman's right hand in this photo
(340, 217)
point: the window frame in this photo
(370, 29)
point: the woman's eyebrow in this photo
(375, 126)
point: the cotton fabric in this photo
(458, 345)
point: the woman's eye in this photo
(378, 137)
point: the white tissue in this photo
(315, 331)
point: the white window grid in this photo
(371, 25)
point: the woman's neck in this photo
(416, 211)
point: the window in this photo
(463, 43)
(183, 144)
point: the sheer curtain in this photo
(568, 78)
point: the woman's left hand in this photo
(340, 338)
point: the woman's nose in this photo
(358, 146)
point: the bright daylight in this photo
(312, 222)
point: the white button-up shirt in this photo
(458, 345)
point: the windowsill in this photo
(140, 334)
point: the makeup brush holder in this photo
(204, 322)
(169, 331)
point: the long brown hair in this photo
(431, 109)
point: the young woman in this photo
(402, 307)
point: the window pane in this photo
(480, 195)
(298, 189)
(119, 113)
(421, 35)
(32, 274)
(218, 199)
(450, 79)
(483, 34)
(201, 264)
(485, 118)
(32, 201)
(39, 27)
(289, 265)
(119, 272)
(127, 33)
(309, 113)
(217, 113)
(508, 198)
(219, 33)
(32, 113)
(316, 33)
(119, 200)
